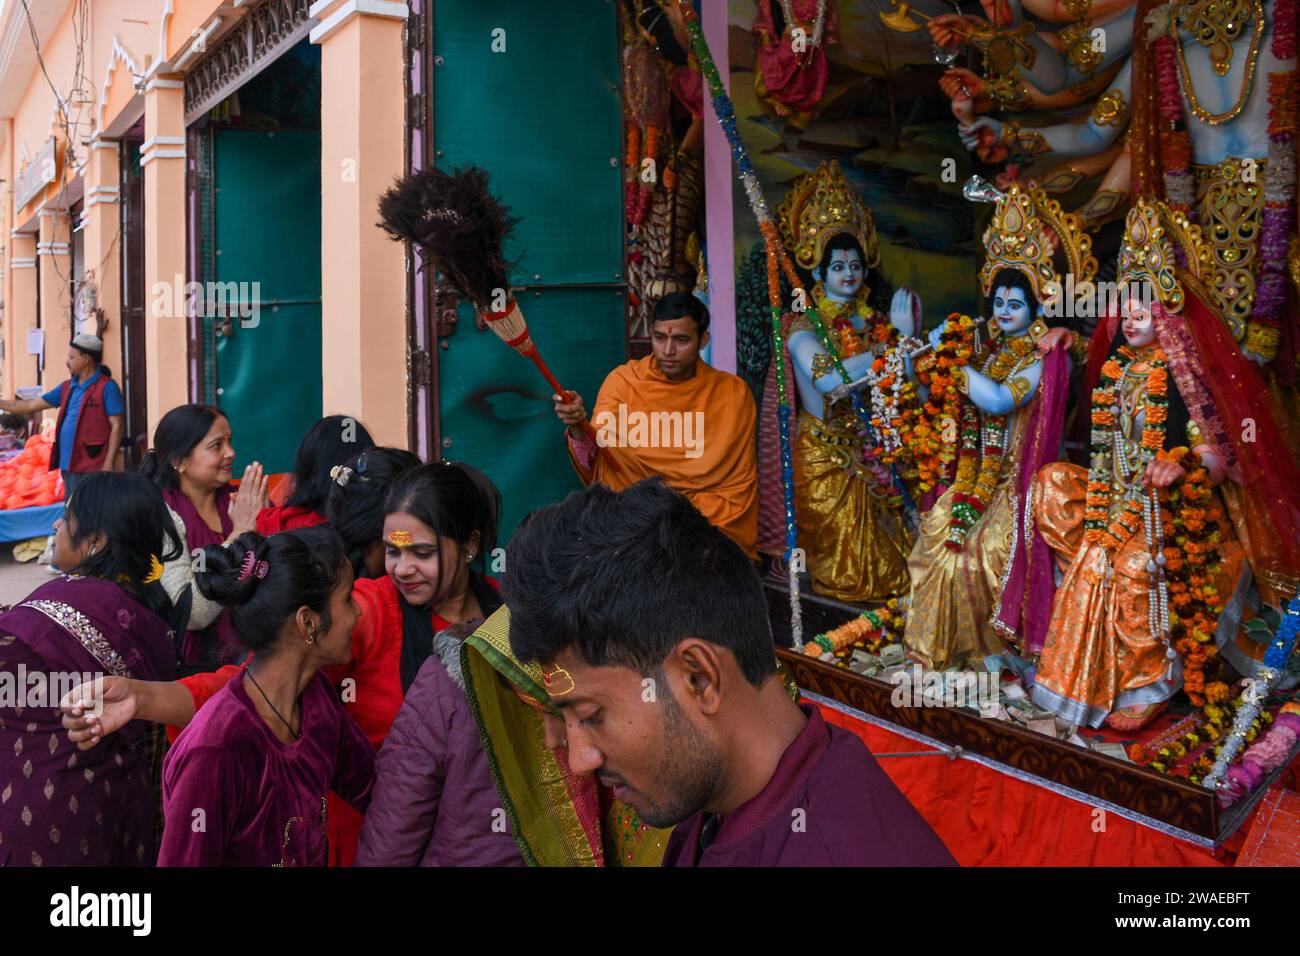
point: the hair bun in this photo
(222, 577)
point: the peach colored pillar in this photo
(6, 251)
(162, 157)
(20, 312)
(102, 244)
(55, 256)
(363, 272)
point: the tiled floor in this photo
(19, 580)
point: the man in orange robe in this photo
(670, 414)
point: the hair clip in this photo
(253, 567)
(155, 570)
(341, 475)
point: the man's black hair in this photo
(627, 575)
(677, 304)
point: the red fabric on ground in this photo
(988, 818)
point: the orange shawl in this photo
(697, 434)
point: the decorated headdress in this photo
(820, 206)
(1163, 249)
(1020, 237)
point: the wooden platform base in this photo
(1150, 797)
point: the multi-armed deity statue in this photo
(1198, 109)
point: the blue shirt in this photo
(68, 433)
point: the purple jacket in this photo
(828, 804)
(434, 802)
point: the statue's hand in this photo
(1054, 337)
(981, 134)
(1162, 474)
(936, 333)
(947, 29)
(905, 312)
(962, 85)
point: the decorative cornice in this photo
(387, 9)
(25, 262)
(52, 248)
(153, 141)
(158, 83)
(147, 158)
(118, 55)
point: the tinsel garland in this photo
(726, 115)
(777, 261)
(1275, 659)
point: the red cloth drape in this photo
(989, 818)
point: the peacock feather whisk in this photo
(461, 229)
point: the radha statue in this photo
(847, 501)
(1156, 535)
(1009, 417)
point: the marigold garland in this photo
(923, 428)
(1106, 521)
(869, 631)
(982, 437)
(1192, 565)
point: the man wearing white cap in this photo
(91, 414)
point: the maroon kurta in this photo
(60, 806)
(827, 804)
(219, 637)
(234, 794)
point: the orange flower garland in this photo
(923, 428)
(982, 435)
(1105, 523)
(1192, 563)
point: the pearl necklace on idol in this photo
(787, 7)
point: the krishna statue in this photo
(1006, 400)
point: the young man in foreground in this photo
(652, 626)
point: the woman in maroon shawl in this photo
(61, 806)
(191, 463)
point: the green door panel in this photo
(497, 410)
(544, 119)
(267, 211)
